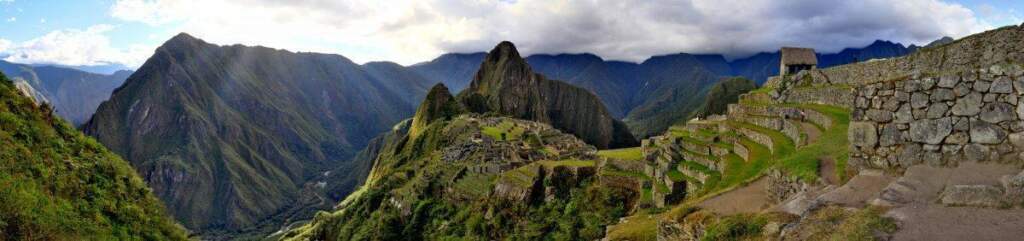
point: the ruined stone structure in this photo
(795, 60)
(940, 119)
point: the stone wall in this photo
(942, 119)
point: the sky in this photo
(126, 32)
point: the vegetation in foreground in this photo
(58, 184)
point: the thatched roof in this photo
(792, 55)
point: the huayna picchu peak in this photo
(505, 84)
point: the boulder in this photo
(948, 81)
(918, 100)
(972, 195)
(879, 115)
(929, 131)
(904, 115)
(1002, 85)
(937, 110)
(863, 134)
(891, 136)
(986, 133)
(942, 95)
(968, 105)
(997, 112)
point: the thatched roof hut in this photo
(796, 59)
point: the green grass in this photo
(636, 228)
(804, 163)
(608, 171)
(506, 128)
(631, 154)
(570, 163)
(676, 176)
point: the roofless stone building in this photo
(796, 59)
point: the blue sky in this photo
(99, 32)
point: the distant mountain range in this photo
(75, 94)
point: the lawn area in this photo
(570, 163)
(632, 153)
(506, 130)
(643, 227)
(833, 142)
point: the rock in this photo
(918, 100)
(910, 155)
(1017, 139)
(891, 136)
(1002, 85)
(972, 195)
(976, 152)
(942, 95)
(1014, 186)
(930, 131)
(863, 134)
(904, 115)
(982, 86)
(997, 112)
(948, 81)
(986, 133)
(927, 84)
(879, 115)
(968, 105)
(1019, 86)
(958, 138)
(962, 89)
(937, 110)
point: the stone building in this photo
(796, 59)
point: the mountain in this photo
(75, 94)
(640, 93)
(104, 69)
(239, 139)
(506, 84)
(61, 185)
(453, 70)
(467, 176)
(723, 93)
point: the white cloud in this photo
(413, 31)
(74, 47)
(42, 20)
(12, 19)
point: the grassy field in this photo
(506, 130)
(632, 153)
(832, 143)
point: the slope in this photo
(229, 136)
(60, 185)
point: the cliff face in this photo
(506, 84)
(439, 104)
(229, 136)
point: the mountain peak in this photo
(438, 104)
(504, 50)
(184, 37)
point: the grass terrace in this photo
(632, 153)
(504, 131)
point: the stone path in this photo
(914, 196)
(861, 189)
(751, 198)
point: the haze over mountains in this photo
(75, 94)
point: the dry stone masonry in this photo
(940, 119)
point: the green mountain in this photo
(61, 185)
(450, 175)
(239, 139)
(74, 94)
(505, 84)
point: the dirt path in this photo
(862, 188)
(812, 131)
(751, 198)
(827, 170)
